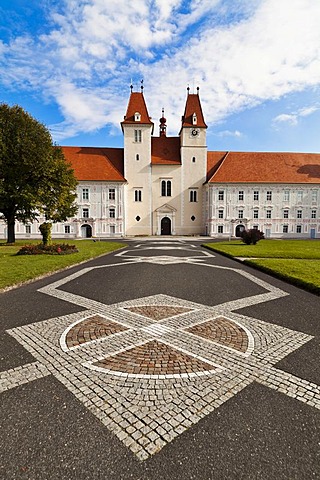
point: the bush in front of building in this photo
(252, 236)
(54, 249)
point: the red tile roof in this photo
(193, 105)
(165, 150)
(137, 104)
(99, 164)
(263, 167)
(214, 160)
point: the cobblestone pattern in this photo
(20, 375)
(158, 312)
(146, 411)
(93, 328)
(221, 330)
(154, 359)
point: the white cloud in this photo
(240, 54)
(229, 133)
(293, 118)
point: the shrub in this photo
(45, 229)
(252, 236)
(54, 249)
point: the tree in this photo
(35, 179)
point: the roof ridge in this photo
(220, 165)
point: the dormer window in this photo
(194, 119)
(137, 117)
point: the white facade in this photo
(162, 193)
(279, 210)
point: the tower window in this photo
(137, 157)
(112, 193)
(137, 136)
(194, 119)
(112, 212)
(166, 188)
(137, 195)
(193, 159)
(193, 196)
(85, 212)
(137, 117)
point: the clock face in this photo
(194, 132)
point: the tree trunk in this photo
(11, 238)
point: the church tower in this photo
(137, 129)
(193, 149)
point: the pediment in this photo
(166, 209)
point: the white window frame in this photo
(85, 194)
(112, 194)
(193, 196)
(166, 188)
(137, 136)
(138, 195)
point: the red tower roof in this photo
(193, 106)
(136, 105)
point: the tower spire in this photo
(163, 126)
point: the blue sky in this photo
(70, 63)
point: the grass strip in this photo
(269, 249)
(16, 269)
(295, 261)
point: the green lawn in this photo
(19, 268)
(296, 261)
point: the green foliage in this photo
(34, 176)
(252, 236)
(41, 249)
(45, 229)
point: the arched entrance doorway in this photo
(166, 226)
(239, 230)
(86, 231)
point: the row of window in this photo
(85, 212)
(268, 213)
(268, 195)
(285, 228)
(111, 194)
(166, 192)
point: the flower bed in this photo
(53, 249)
